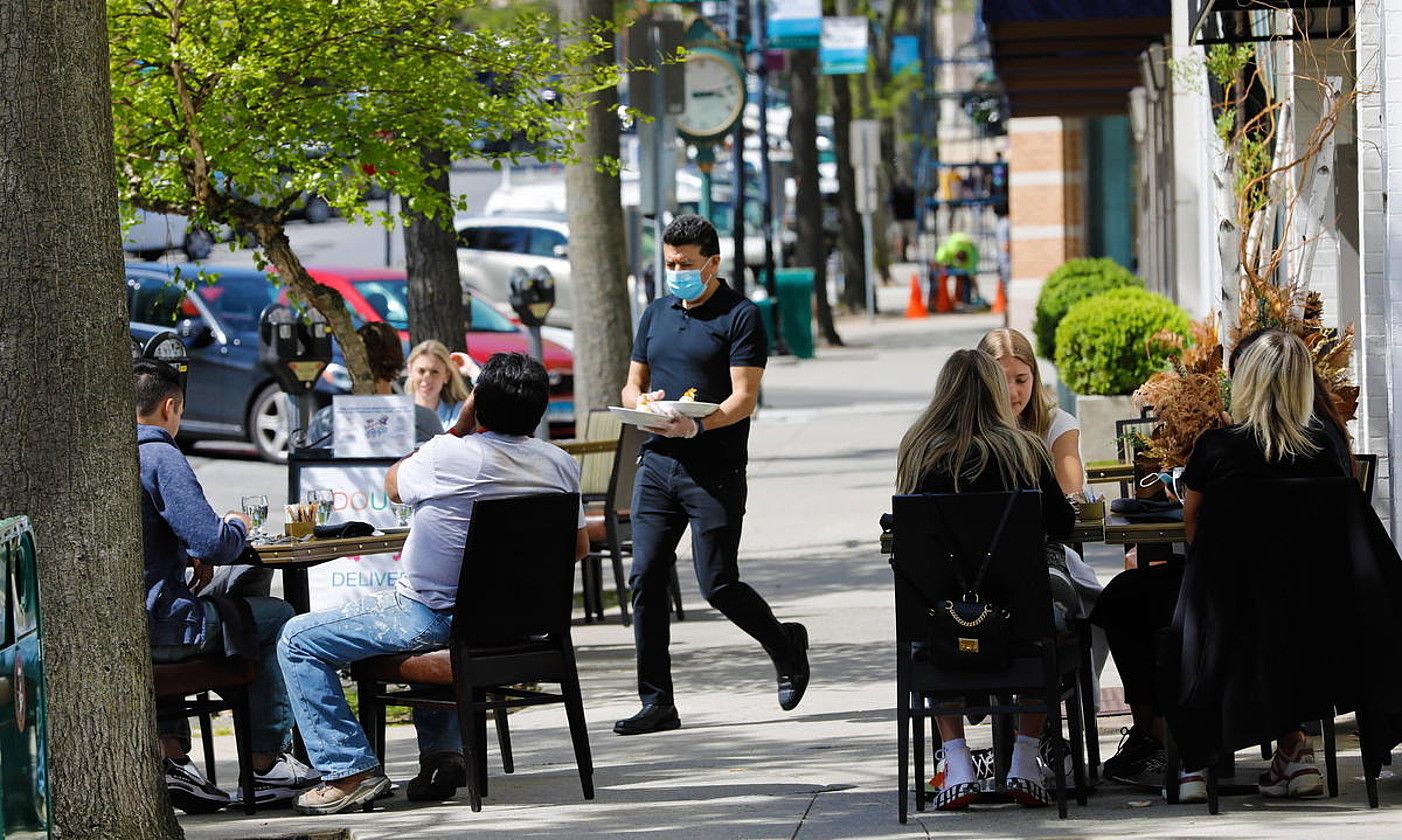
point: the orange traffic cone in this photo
(915, 307)
(1000, 300)
(942, 301)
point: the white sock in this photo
(1024, 763)
(958, 763)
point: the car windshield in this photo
(389, 299)
(237, 300)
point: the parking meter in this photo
(166, 346)
(295, 347)
(533, 296)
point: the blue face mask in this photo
(686, 285)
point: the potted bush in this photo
(1072, 282)
(1106, 346)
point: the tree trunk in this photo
(850, 243)
(272, 238)
(598, 263)
(436, 308)
(69, 460)
(811, 249)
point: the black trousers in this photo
(1136, 605)
(668, 496)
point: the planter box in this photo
(1097, 416)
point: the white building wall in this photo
(1194, 219)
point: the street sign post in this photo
(865, 142)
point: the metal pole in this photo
(761, 25)
(659, 133)
(738, 34)
(389, 231)
(537, 348)
(705, 162)
(869, 254)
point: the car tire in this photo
(198, 245)
(269, 424)
(316, 210)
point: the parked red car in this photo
(381, 294)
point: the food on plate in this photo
(689, 395)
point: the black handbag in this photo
(969, 633)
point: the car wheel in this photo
(268, 424)
(316, 210)
(199, 244)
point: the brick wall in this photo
(1045, 203)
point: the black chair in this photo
(511, 627)
(182, 690)
(1045, 665)
(1238, 669)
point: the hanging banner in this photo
(373, 426)
(795, 24)
(843, 47)
(905, 54)
(359, 496)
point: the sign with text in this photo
(843, 49)
(865, 140)
(905, 54)
(795, 24)
(358, 494)
(373, 426)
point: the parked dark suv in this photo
(229, 395)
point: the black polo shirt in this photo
(696, 348)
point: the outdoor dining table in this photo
(294, 558)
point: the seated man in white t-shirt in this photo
(488, 454)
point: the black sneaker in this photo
(1139, 761)
(189, 790)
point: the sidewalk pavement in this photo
(822, 467)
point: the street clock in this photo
(715, 94)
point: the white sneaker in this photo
(189, 790)
(1294, 776)
(284, 780)
(1192, 786)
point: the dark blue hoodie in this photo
(177, 524)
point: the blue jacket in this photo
(177, 524)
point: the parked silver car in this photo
(489, 247)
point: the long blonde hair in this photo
(455, 389)
(1036, 416)
(967, 424)
(1273, 395)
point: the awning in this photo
(1072, 58)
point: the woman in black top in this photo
(967, 440)
(1279, 436)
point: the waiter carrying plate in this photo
(702, 342)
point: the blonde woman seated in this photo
(968, 441)
(434, 381)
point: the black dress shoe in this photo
(793, 677)
(654, 717)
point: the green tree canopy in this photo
(229, 111)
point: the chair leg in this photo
(903, 733)
(917, 723)
(1266, 751)
(207, 738)
(620, 581)
(587, 587)
(1331, 755)
(1053, 701)
(1088, 704)
(500, 718)
(471, 746)
(676, 587)
(579, 727)
(365, 694)
(479, 725)
(1372, 762)
(1212, 807)
(1074, 717)
(243, 741)
(1170, 768)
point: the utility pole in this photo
(760, 23)
(739, 32)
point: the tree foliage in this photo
(230, 111)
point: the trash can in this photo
(24, 794)
(795, 290)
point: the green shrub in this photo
(1072, 282)
(1101, 344)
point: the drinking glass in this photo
(256, 509)
(402, 513)
(324, 501)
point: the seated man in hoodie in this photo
(181, 530)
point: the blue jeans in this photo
(268, 709)
(315, 646)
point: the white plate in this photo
(687, 409)
(397, 529)
(637, 418)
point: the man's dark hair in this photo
(691, 229)
(384, 350)
(155, 383)
(511, 394)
